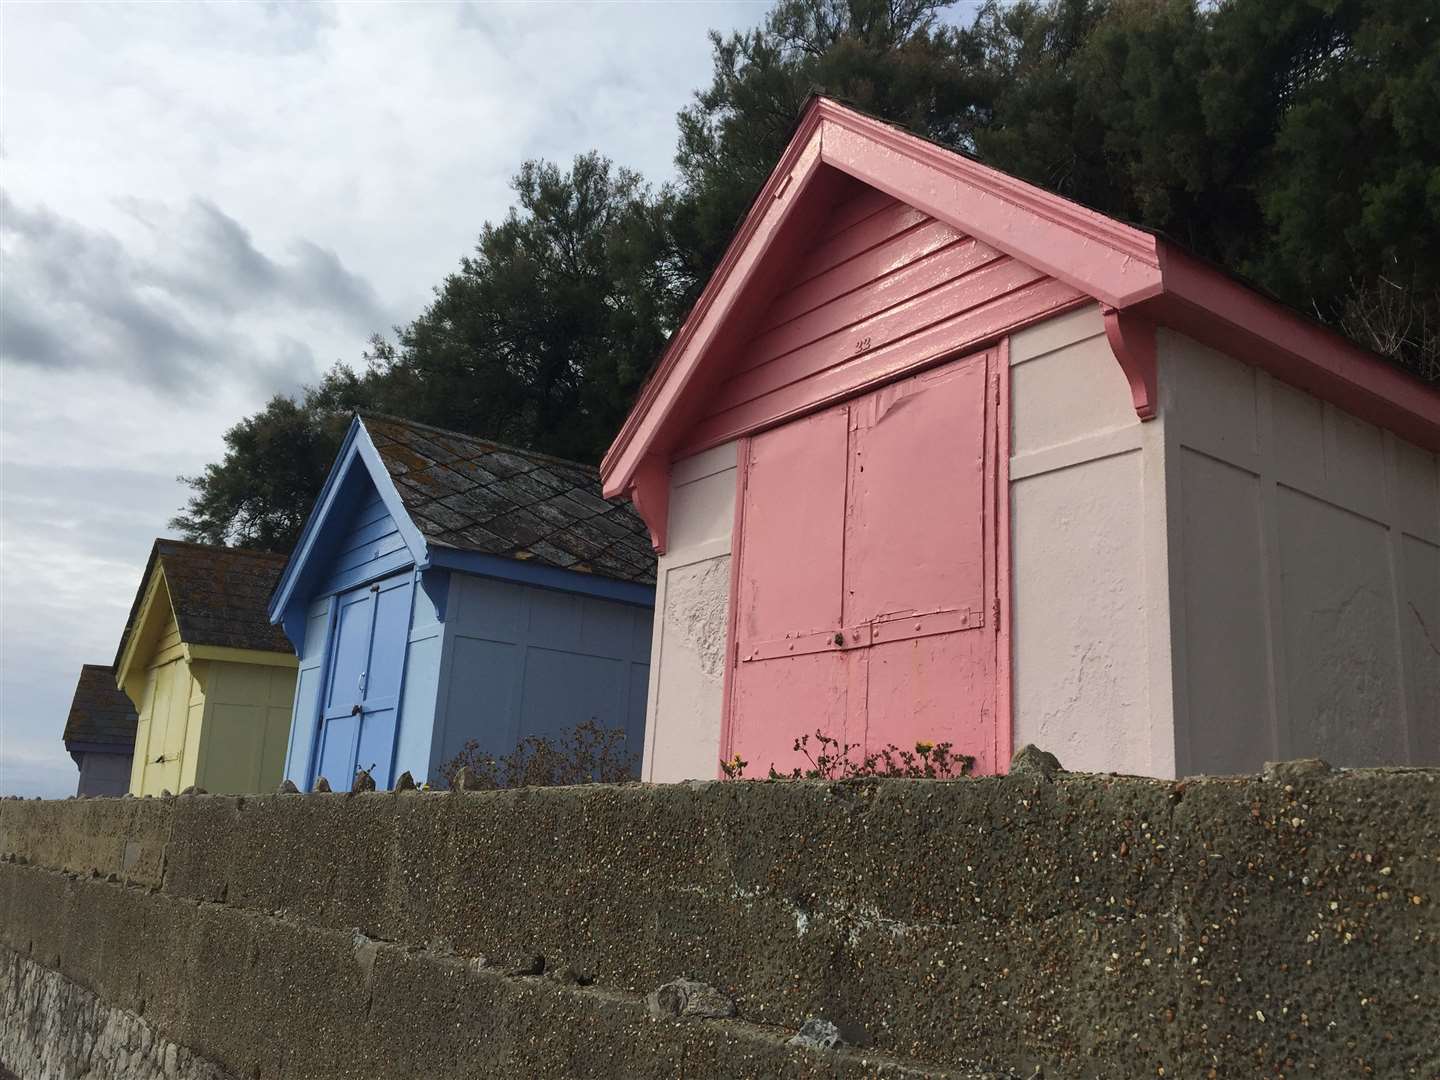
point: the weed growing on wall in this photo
(830, 759)
(589, 753)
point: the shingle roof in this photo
(220, 595)
(478, 495)
(100, 712)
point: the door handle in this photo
(356, 709)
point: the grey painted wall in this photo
(521, 660)
(103, 774)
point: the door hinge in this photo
(995, 613)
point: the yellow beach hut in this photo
(212, 680)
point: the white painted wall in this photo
(1307, 586)
(692, 602)
(1090, 637)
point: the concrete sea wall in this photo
(1082, 925)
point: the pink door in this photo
(865, 578)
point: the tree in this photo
(1100, 102)
(544, 334)
(1351, 186)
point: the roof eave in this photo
(744, 253)
(1212, 307)
(150, 587)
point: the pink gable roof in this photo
(1139, 279)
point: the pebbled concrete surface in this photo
(1095, 926)
(236, 993)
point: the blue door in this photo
(360, 705)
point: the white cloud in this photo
(208, 203)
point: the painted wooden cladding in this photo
(865, 586)
(370, 546)
(526, 661)
(360, 714)
(102, 773)
(883, 288)
(309, 685)
(164, 719)
(246, 725)
(1306, 549)
(692, 615)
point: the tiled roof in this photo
(220, 595)
(100, 712)
(477, 495)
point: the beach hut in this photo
(211, 680)
(940, 455)
(449, 590)
(100, 732)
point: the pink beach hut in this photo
(940, 455)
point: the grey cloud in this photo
(74, 297)
(69, 299)
(218, 237)
(319, 275)
(238, 275)
(94, 512)
(289, 367)
(27, 340)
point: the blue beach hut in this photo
(447, 589)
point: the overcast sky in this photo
(205, 204)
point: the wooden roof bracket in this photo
(1132, 340)
(650, 492)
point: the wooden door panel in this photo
(151, 770)
(777, 700)
(366, 671)
(794, 515)
(384, 676)
(336, 760)
(168, 717)
(914, 528)
(387, 643)
(349, 653)
(939, 689)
